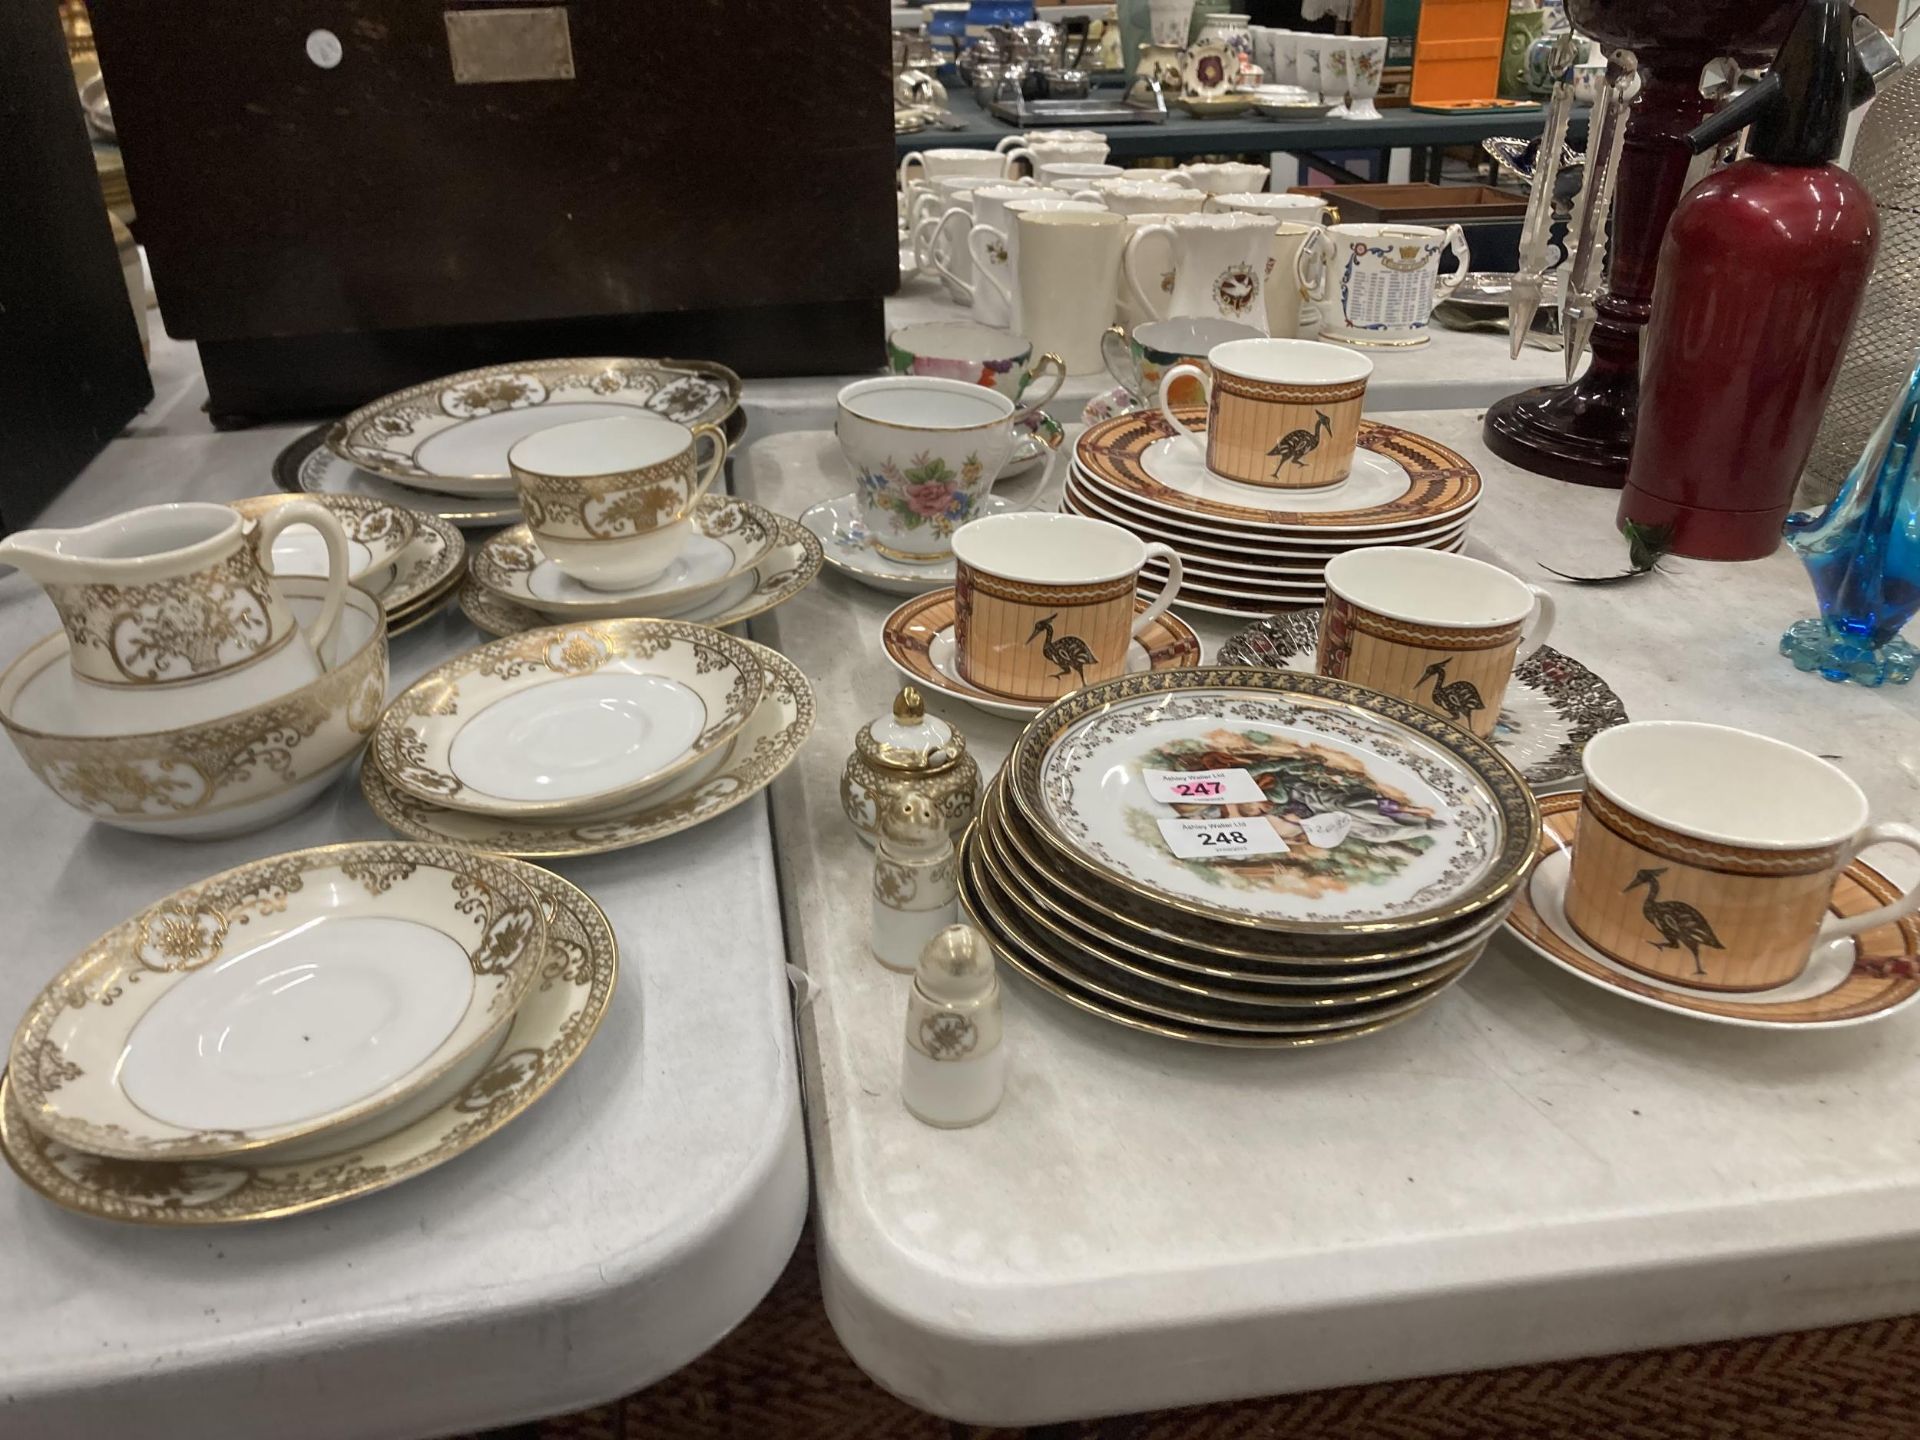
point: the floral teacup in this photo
(978, 354)
(925, 452)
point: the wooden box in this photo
(339, 197)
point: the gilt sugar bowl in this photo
(909, 752)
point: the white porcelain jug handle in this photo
(712, 471)
(1051, 366)
(983, 267)
(1176, 572)
(940, 257)
(308, 512)
(1540, 624)
(1887, 833)
(1132, 254)
(1456, 242)
(1180, 372)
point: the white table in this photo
(601, 1241)
(1531, 1169)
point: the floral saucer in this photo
(919, 641)
(843, 537)
(1848, 982)
(1553, 707)
(1109, 403)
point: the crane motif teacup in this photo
(1440, 630)
(1044, 604)
(1281, 414)
(1707, 856)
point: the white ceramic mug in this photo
(1366, 59)
(1075, 175)
(925, 453)
(1129, 197)
(1285, 48)
(1040, 153)
(1227, 177)
(994, 250)
(1068, 273)
(1277, 206)
(1084, 137)
(1377, 284)
(921, 166)
(1707, 856)
(1044, 604)
(1220, 265)
(607, 499)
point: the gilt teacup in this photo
(607, 499)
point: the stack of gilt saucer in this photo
(580, 738)
(407, 559)
(170, 1074)
(1251, 551)
(1368, 852)
(741, 560)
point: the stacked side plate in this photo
(173, 1075)
(586, 737)
(409, 560)
(1387, 847)
(1250, 551)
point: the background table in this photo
(1532, 1168)
(600, 1241)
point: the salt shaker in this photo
(955, 1068)
(914, 889)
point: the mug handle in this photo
(1539, 624)
(1118, 356)
(1887, 833)
(983, 268)
(1007, 142)
(1316, 255)
(1128, 258)
(1456, 242)
(1019, 152)
(939, 256)
(920, 238)
(714, 467)
(308, 512)
(1092, 197)
(1049, 364)
(1180, 372)
(1176, 572)
(911, 157)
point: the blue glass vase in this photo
(1863, 555)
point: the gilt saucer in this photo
(1848, 982)
(919, 641)
(849, 549)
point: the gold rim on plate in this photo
(1884, 978)
(548, 1032)
(416, 733)
(787, 569)
(382, 436)
(909, 632)
(1443, 481)
(118, 979)
(762, 748)
(1507, 794)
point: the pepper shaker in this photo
(915, 892)
(909, 751)
(955, 1068)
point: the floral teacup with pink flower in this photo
(980, 355)
(925, 452)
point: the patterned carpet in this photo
(783, 1376)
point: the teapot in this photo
(172, 615)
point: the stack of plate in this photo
(581, 738)
(1250, 551)
(171, 1074)
(1388, 848)
(740, 560)
(442, 445)
(407, 559)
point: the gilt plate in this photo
(277, 1000)
(548, 1032)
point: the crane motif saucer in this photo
(1849, 982)
(919, 641)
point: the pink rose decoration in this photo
(929, 499)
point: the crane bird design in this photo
(1293, 447)
(1457, 699)
(1680, 925)
(1069, 652)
